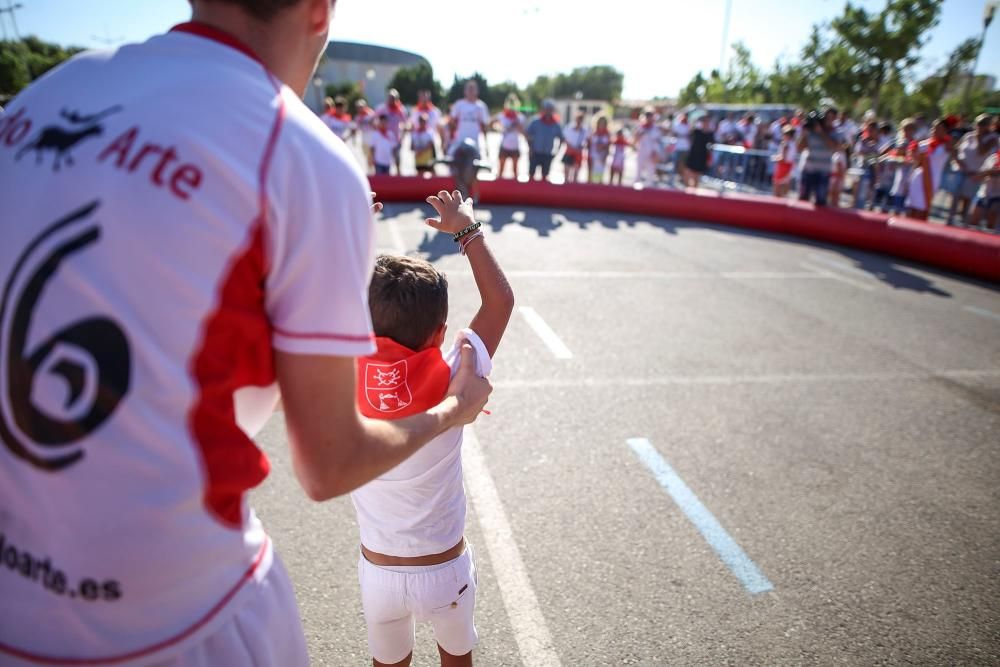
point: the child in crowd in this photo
(364, 121)
(383, 146)
(649, 145)
(618, 159)
(415, 563)
(422, 144)
(699, 156)
(784, 162)
(336, 118)
(598, 147)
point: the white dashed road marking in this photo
(546, 333)
(534, 643)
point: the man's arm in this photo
(334, 449)
(497, 298)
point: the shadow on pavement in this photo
(545, 221)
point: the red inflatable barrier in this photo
(962, 251)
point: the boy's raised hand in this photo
(454, 214)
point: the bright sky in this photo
(658, 45)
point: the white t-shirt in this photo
(470, 117)
(511, 130)
(968, 153)
(648, 140)
(418, 508)
(433, 116)
(163, 234)
(726, 127)
(395, 119)
(576, 137)
(383, 148)
(991, 184)
(339, 125)
(682, 132)
(916, 198)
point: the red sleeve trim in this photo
(325, 336)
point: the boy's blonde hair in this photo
(408, 300)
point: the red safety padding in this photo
(963, 251)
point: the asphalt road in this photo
(837, 413)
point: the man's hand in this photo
(455, 214)
(376, 205)
(469, 391)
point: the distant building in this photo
(371, 67)
(567, 108)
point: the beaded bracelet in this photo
(468, 230)
(465, 242)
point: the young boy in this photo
(415, 563)
(383, 146)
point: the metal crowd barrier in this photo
(736, 167)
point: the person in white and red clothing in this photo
(575, 138)
(931, 156)
(395, 122)
(415, 563)
(337, 119)
(598, 149)
(471, 117)
(182, 238)
(620, 144)
(425, 107)
(511, 122)
(649, 146)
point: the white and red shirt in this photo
(383, 144)
(417, 508)
(511, 125)
(163, 235)
(470, 118)
(338, 123)
(395, 116)
(432, 112)
(934, 155)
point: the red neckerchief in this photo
(621, 141)
(934, 142)
(210, 32)
(552, 119)
(364, 113)
(425, 106)
(384, 131)
(510, 114)
(648, 126)
(397, 382)
(395, 107)
(602, 133)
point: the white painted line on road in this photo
(725, 546)
(836, 276)
(983, 312)
(546, 333)
(783, 378)
(534, 642)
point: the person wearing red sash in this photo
(395, 123)
(931, 156)
(415, 562)
(511, 123)
(621, 144)
(598, 148)
(575, 137)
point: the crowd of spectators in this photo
(822, 156)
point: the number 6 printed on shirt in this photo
(91, 356)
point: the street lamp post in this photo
(988, 12)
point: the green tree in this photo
(457, 90)
(877, 44)
(23, 61)
(410, 80)
(349, 91)
(693, 92)
(598, 82)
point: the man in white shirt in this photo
(970, 154)
(181, 238)
(470, 115)
(575, 137)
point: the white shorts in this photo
(394, 598)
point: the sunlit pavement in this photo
(707, 446)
